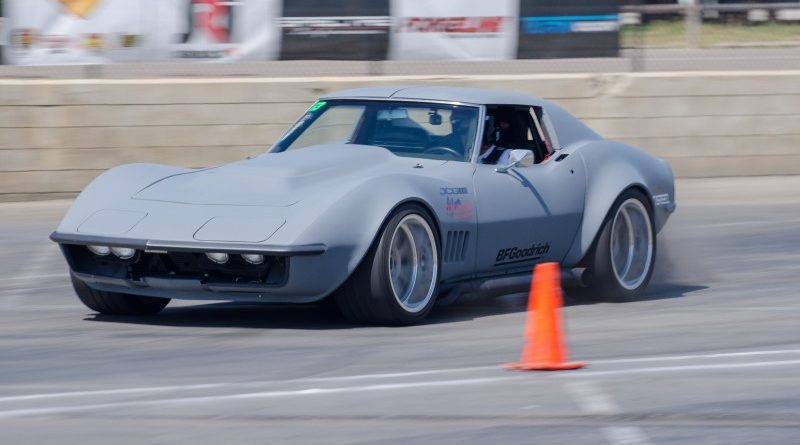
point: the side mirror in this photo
(517, 158)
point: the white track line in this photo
(587, 372)
(594, 401)
(591, 399)
(397, 374)
(102, 392)
(625, 435)
(349, 389)
(657, 358)
(111, 392)
(256, 395)
(680, 368)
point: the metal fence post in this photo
(638, 48)
(692, 23)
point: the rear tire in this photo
(114, 303)
(398, 280)
(623, 257)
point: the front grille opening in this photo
(181, 265)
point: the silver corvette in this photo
(384, 199)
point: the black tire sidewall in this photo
(380, 284)
(602, 276)
(115, 303)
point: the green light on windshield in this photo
(317, 105)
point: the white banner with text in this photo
(455, 29)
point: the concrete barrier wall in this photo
(57, 135)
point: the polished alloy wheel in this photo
(413, 263)
(631, 244)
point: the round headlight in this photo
(253, 258)
(219, 258)
(99, 250)
(123, 253)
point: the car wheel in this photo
(398, 280)
(624, 253)
(114, 303)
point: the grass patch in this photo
(672, 34)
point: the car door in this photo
(528, 214)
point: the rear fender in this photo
(612, 168)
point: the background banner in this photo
(220, 30)
(335, 29)
(79, 31)
(47, 32)
(3, 31)
(455, 29)
(51, 32)
(568, 28)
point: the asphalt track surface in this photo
(710, 356)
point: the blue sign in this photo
(569, 23)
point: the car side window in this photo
(546, 128)
(538, 134)
(512, 127)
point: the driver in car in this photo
(459, 137)
(497, 152)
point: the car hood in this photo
(277, 179)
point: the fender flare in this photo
(611, 169)
(351, 240)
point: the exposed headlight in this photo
(219, 258)
(123, 253)
(99, 250)
(253, 258)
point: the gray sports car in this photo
(384, 199)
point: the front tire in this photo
(624, 254)
(115, 303)
(398, 280)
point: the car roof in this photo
(477, 96)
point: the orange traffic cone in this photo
(544, 349)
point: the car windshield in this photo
(424, 130)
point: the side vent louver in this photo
(456, 246)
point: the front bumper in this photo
(181, 270)
(158, 246)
